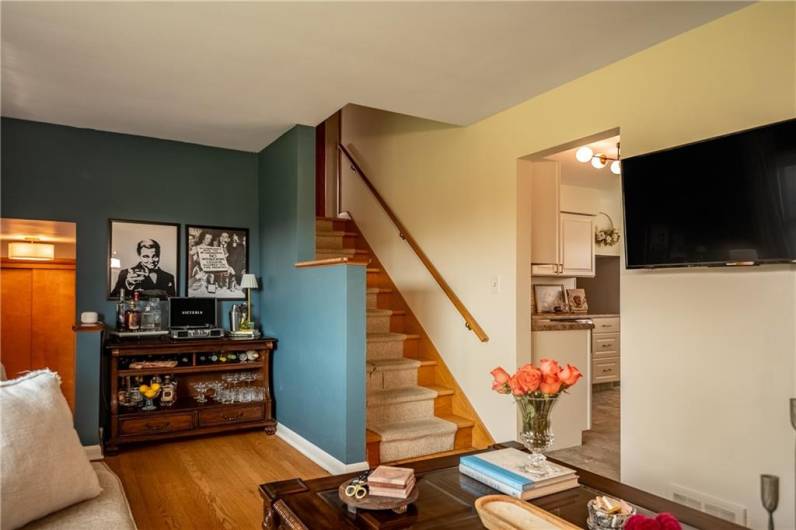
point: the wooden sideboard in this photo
(186, 417)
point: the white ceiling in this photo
(238, 75)
(574, 173)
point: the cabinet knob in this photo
(156, 426)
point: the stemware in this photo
(769, 495)
(200, 391)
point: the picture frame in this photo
(550, 298)
(143, 256)
(216, 257)
(576, 300)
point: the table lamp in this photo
(249, 282)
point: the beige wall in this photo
(707, 356)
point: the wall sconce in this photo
(31, 249)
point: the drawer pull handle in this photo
(606, 345)
(156, 426)
(605, 325)
(237, 416)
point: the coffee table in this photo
(446, 501)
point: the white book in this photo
(548, 489)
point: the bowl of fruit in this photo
(150, 392)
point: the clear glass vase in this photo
(536, 435)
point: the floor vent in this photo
(735, 513)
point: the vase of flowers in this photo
(536, 391)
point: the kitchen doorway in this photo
(37, 299)
(576, 252)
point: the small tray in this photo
(374, 502)
(501, 512)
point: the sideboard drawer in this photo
(605, 371)
(606, 325)
(156, 424)
(226, 415)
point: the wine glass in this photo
(769, 494)
(200, 391)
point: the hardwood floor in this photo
(206, 483)
(600, 450)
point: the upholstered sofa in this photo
(107, 511)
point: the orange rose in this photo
(569, 375)
(529, 377)
(549, 367)
(551, 384)
(501, 379)
(516, 387)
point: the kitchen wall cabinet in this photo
(562, 243)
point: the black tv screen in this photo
(727, 200)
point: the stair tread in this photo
(407, 430)
(376, 290)
(402, 363)
(400, 395)
(390, 337)
(461, 422)
(336, 233)
(440, 390)
(342, 251)
(375, 311)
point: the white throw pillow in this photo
(43, 467)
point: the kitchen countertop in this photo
(564, 322)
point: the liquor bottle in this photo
(184, 361)
(132, 315)
(147, 317)
(121, 307)
(123, 394)
(157, 314)
(168, 395)
(202, 359)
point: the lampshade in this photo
(31, 250)
(249, 281)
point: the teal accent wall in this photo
(318, 314)
(85, 176)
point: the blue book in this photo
(513, 480)
(506, 467)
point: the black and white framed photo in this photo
(143, 256)
(217, 258)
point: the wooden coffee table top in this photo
(447, 501)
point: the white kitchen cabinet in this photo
(574, 246)
(562, 243)
(577, 245)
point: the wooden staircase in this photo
(415, 408)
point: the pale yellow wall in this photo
(691, 340)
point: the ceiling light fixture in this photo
(599, 160)
(31, 249)
(584, 154)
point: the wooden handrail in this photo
(469, 319)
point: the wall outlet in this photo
(494, 284)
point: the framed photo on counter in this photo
(550, 298)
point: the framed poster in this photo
(216, 260)
(143, 256)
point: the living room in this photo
(103, 145)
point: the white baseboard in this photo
(316, 454)
(93, 452)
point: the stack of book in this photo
(389, 481)
(503, 471)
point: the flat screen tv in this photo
(725, 201)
